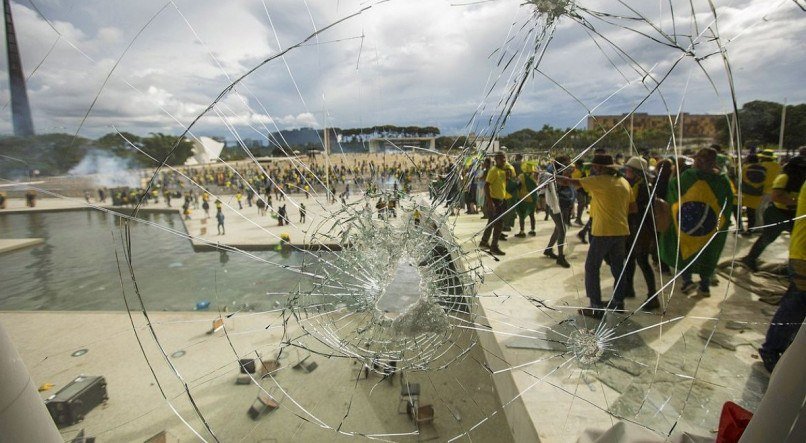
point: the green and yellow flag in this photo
(700, 214)
(753, 178)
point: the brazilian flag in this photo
(753, 178)
(699, 212)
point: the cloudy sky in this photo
(155, 66)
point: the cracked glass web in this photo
(375, 294)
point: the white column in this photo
(23, 415)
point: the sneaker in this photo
(652, 304)
(484, 245)
(714, 281)
(532, 233)
(704, 294)
(563, 262)
(591, 312)
(503, 238)
(629, 295)
(581, 236)
(689, 287)
(520, 235)
(550, 254)
(497, 251)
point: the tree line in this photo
(760, 125)
(364, 134)
(55, 154)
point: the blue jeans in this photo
(614, 250)
(785, 323)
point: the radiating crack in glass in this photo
(393, 291)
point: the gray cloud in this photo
(418, 62)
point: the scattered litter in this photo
(218, 324)
(736, 325)
(262, 405)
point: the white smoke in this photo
(107, 170)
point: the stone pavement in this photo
(207, 363)
(663, 378)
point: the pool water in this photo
(76, 267)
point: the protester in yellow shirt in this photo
(792, 310)
(779, 215)
(772, 168)
(610, 202)
(495, 202)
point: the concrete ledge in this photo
(518, 418)
(13, 244)
(206, 247)
(39, 210)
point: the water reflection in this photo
(41, 263)
(76, 268)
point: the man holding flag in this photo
(701, 203)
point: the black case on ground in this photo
(74, 401)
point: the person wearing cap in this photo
(701, 202)
(610, 203)
(642, 237)
(779, 215)
(495, 195)
(585, 231)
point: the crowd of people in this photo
(674, 211)
(659, 214)
(266, 185)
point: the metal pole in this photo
(23, 415)
(632, 130)
(327, 165)
(781, 132)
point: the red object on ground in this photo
(732, 422)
